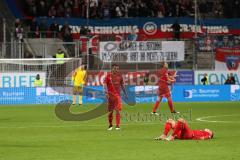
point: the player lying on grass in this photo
(182, 131)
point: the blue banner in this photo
(185, 78)
(137, 94)
(141, 21)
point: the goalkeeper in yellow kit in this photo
(79, 79)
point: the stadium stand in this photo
(30, 10)
(129, 8)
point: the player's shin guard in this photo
(118, 119)
(155, 106)
(110, 118)
(170, 104)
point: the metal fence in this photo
(46, 45)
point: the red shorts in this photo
(114, 103)
(164, 91)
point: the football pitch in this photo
(34, 132)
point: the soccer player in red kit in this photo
(113, 83)
(183, 132)
(163, 88)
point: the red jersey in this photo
(182, 131)
(113, 83)
(163, 77)
(200, 134)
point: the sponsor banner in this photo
(227, 59)
(136, 78)
(142, 51)
(137, 94)
(216, 77)
(18, 95)
(235, 93)
(20, 79)
(210, 43)
(185, 78)
(200, 93)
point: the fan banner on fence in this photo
(142, 51)
(227, 59)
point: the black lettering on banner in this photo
(142, 56)
(161, 56)
(175, 56)
(141, 46)
(111, 46)
(123, 57)
(134, 56)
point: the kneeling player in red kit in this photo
(183, 132)
(113, 83)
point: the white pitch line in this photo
(63, 126)
(204, 119)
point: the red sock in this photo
(117, 119)
(170, 104)
(156, 106)
(110, 118)
(167, 128)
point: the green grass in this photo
(34, 132)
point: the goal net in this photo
(55, 72)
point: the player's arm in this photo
(85, 77)
(105, 83)
(172, 78)
(123, 88)
(74, 76)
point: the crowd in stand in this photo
(99, 9)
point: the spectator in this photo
(236, 41)
(60, 53)
(60, 11)
(235, 9)
(218, 9)
(42, 8)
(34, 29)
(19, 32)
(42, 28)
(52, 12)
(76, 11)
(228, 80)
(54, 28)
(176, 30)
(146, 78)
(93, 11)
(38, 82)
(204, 80)
(66, 32)
(233, 81)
